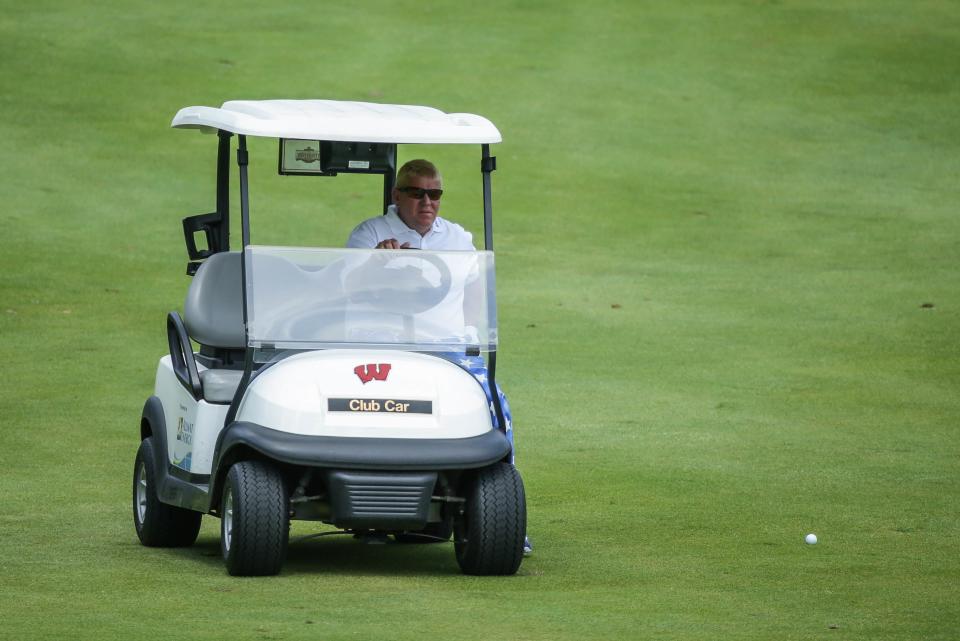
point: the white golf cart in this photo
(330, 384)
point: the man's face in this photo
(418, 213)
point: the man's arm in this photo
(363, 236)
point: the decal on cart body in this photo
(371, 371)
(185, 431)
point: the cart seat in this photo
(213, 316)
(213, 310)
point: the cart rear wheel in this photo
(158, 524)
(489, 535)
(255, 522)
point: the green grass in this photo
(727, 259)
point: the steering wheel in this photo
(408, 290)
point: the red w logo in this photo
(367, 373)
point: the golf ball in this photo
(811, 538)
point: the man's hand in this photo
(391, 243)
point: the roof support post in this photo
(223, 188)
(488, 164)
(390, 179)
(242, 162)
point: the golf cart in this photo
(330, 384)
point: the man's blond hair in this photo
(417, 167)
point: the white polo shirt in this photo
(443, 235)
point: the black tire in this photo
(254, 520)
(490, 533)
(158, 524)
(433, 533)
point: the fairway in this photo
(728, 292)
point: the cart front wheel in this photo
(255, 522)
(489, 534)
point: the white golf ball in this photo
(811, 538)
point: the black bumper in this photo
(365, 453)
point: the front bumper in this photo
(396, 454)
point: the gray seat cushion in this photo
(219, 385)
(213, 310)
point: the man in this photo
(411, 222)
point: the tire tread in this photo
(490, 538)
(260, 520)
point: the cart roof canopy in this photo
(340, 121)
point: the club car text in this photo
(379, 405)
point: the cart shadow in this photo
(345, 555)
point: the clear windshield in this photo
(305, 298)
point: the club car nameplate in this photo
(388, 405)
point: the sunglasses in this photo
(417, 192)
